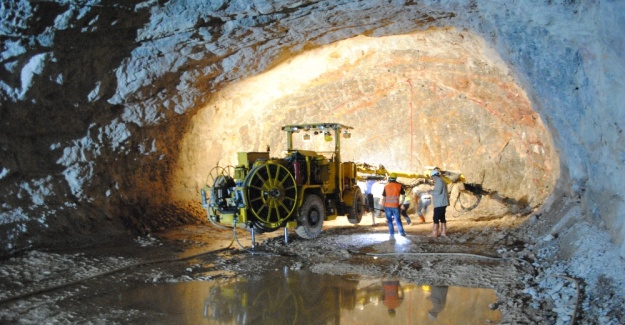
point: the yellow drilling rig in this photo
(300, 190)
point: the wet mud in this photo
(200, 274)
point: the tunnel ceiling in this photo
(113, 113)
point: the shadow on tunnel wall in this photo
(65, 106)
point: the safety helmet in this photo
(392, 176)
(435, 173)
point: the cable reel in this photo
(271, 195)
(220, 185)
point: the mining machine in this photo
(299, 190)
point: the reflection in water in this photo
(392, 295)
(438, 296)
(289, 297)
(303, 297)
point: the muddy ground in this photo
(66, 285)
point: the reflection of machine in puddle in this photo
(303, 297)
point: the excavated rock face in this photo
(433, 98)
(112, 115)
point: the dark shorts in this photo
(439, 215)
(369, 201)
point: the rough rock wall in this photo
(434, 98)
(93, 96)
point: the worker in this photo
(368, 195)
(376, 192)
(423, 198)
(404, 210)
(392, 199)
(440, 196)
(366, 187)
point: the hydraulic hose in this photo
(214, 223)
(234, 234)
(454, 254)
(438, 254)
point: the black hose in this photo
(455, 254)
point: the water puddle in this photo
(303, 297)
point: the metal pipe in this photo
(253, 238)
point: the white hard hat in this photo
(435, 173)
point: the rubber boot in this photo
(434, 230)
(422, 219)
(444, 229)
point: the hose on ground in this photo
(455, 254)
(234, 236)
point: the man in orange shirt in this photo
(393, 200)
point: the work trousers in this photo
(393, 214)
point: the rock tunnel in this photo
(432, 98)
(113, 112)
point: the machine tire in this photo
(355, 212)
(310, 217)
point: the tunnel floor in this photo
(115, 284)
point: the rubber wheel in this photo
(310, 217)
(355, 212)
